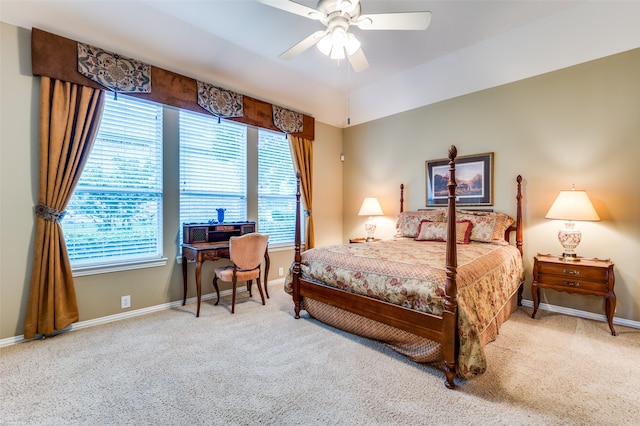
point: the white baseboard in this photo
(128, 314)
(581, 314)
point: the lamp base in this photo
(570, 257)
(370, 227)
(569, 238)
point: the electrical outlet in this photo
(125, 302)
(280, 271)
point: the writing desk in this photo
(199, 253)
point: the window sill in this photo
(117, 267)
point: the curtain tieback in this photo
(50, 214)
(307, 212)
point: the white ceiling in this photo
(470, 45)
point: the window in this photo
(276, 188)
(213, 169)
(114, 217)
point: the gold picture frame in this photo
(474, 176)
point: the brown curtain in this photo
(302, 150)
(69, 120)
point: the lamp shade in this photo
(572, 205)
(370, 207)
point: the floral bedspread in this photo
(412, 274)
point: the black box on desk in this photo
(210, 233)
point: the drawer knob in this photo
(571, 272)
(571, 283)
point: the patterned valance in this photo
(115, 72)
(286, 120)
(220, 102)
(57, 57)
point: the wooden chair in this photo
(246, 253)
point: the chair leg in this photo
(233, 296)
(249, 285)
(266, 287)
(215, 285)
(267, 263)
(260, 289)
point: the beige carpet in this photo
(261, 366)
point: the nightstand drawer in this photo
(574, 282)
(573, 272)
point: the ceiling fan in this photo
(336, 41)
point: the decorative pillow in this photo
(463, 231)
(409, 222)
(437, 231)
(503, 222)
(488, 227)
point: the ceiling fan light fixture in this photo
(352, 44)
(338, 36)
(325, 45)
(337, 52)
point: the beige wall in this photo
(99, 295)
(578, 125)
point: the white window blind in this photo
(276, 188)
(213, 169)
(115, 213)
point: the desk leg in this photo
(184, 280)
(266, 272)
(198, 287)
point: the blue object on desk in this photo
(221, 214)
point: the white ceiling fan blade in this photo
(395, 21)
(302, 46)
(358, 61)
(293, 7)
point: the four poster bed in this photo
(437, 292)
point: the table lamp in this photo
(370, 207)
(571, 205)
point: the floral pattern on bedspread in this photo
(399, 271)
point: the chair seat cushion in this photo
(225, 273)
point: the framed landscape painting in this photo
(474, 176)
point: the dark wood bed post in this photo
(296, 257)
(519, 236)
(401, 197)
(519, 226)
(450, 312)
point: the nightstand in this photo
(586, 276)
(361, 240)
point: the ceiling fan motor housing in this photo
(344, 7)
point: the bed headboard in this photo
(516, 227)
